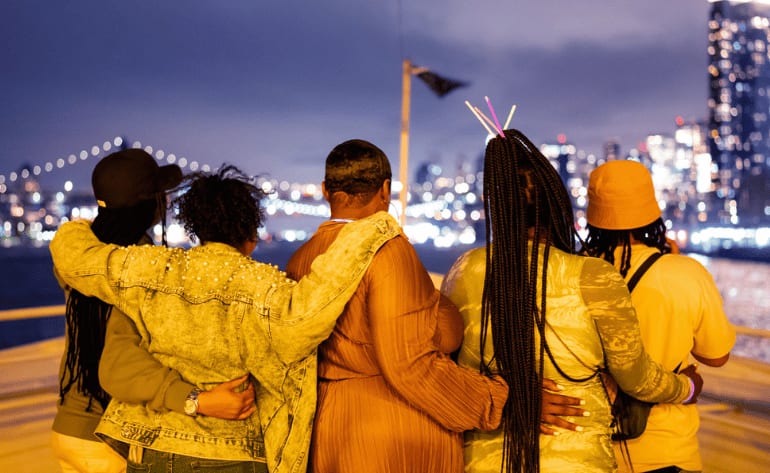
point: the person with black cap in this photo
(679, 306)
(212, 313)
(130, 189)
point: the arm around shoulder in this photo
(82, 261)
(607, 298)
(311, 307)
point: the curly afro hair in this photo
(224, 207)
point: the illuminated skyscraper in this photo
(561, 156)
(694, 188)
(739, 109)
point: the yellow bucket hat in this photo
(621, 196)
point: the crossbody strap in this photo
(638, 275)
(642, 269)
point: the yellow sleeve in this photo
(606, 296)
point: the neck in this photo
(350, 213)
(531, 234)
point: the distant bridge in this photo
(285, 197)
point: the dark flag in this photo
(440, 85)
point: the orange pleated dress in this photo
(390, 399)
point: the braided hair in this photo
(86, 316)
(602, 243)
(524, 200)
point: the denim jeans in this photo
(154, 461)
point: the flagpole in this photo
(403, 174)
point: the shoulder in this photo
(681, 269)
(399, 244)
(597, 265)
(468, 266)
(323, 237)
(225, 260)
(151, 256)
(682, 261)
(299, 262)
(474, 260)
(597, 273)
(396, 252)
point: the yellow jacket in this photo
(211, 314)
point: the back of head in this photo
(621, 196)
(224, 207)
(622, 206)
(127, 177)
(130, 188)
(520, 183)
(356, 167)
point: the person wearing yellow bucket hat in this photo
(677, 302)
(621, 196)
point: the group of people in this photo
(351, 360)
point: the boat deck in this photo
(734, 435)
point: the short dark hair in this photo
(356, 167)
(224, 207)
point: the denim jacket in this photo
(213, 314)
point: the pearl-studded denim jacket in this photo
(213, 314)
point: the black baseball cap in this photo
(127, 177)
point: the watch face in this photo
(191, 403)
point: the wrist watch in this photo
(191, 402)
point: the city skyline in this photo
(445, 205)
(739, 107)
(264, 86)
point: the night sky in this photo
(273, 86)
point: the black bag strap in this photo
(642, 269)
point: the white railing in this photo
(32, 312)
(752, 332)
